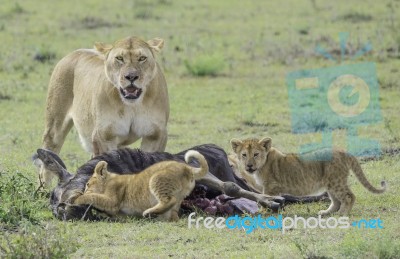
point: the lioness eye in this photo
(244, 155)
(256, 154)
(119, 58)
(142, 58)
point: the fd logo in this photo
(340, 97)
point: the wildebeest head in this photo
(64, 189)
(53, 163)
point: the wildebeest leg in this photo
(234, 190)
(305, 199)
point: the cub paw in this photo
(148, 214)
(324, 212)
(174, 216)
(74, 196)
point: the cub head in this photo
(97, 182)
(251, 153)
(130, 65)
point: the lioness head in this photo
(130, 65)
(252, 153)
(96, 183)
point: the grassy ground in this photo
(255, 45)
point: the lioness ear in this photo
(157, 44)
(266, 143)
(103, 48)
(101, 169)
(236, 143)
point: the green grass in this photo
(205, 65)
(256, 45)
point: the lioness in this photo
(280, 173)
(113, 94)
(158, 190)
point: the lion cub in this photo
(280, 173)
(239, 170)
(156, 191)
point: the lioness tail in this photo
(357, 170)
(200, 172)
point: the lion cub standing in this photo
(280, 173)
(156, 191)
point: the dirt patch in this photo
(5, 97)
(44, 56)
(258, 124)
(391, 152)
(356, 17)
(92, 23)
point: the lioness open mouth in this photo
(131, 92)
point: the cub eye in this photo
(119, 58)
(142, 58)
(256, 154)
(244, 155)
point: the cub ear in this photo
(236, 144)
(266, 143)
(101, 169)
(156, 44)
(103, 48)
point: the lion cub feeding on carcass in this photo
(156, 191)
(280, 173)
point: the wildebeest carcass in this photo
(220, 177)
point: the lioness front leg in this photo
(102, 142)
(155, 142)
(99, 201)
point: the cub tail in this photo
(357, 170)
(198, 172)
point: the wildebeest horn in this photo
(52, 162)
(43, 153)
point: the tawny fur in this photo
(280, 173)
(239, 170)
(156, 191)
(85, 91)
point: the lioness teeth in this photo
(131, 89)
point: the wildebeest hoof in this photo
(279, 199)
(275, 206)
(267, 203)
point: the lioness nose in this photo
(249, 166)
(132, 76)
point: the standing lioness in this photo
(113, 94)
(280, 173)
